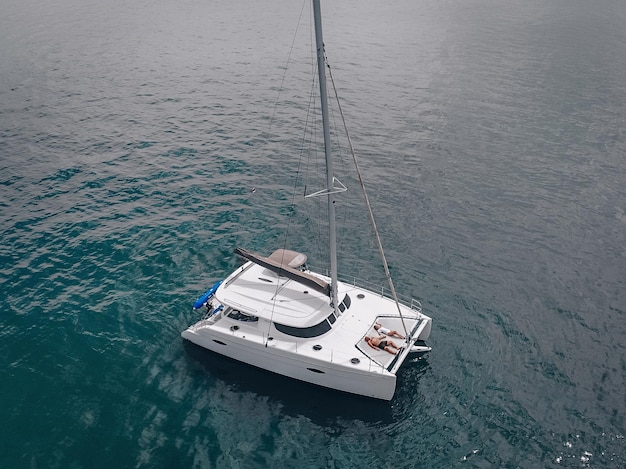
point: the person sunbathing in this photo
(380, 344)
(384, 331)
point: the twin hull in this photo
(378, 384)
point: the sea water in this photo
(141, 142)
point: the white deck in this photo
(260, 292)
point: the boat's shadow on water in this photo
(322, 406)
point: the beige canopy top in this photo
(285, 263)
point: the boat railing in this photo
(385, 292)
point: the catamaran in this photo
(274, 313)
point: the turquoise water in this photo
(492, 138)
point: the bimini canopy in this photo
(288, 258)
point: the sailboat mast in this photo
(321, 68)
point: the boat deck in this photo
(383, 357)
(270, 300)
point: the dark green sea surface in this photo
(492, 137)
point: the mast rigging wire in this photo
(369, 207)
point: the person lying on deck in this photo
(380, 344)
(384, 331)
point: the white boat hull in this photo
(253, 317)
(378, 384)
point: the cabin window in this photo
(239, 316)
(345, 304)
(305, 332)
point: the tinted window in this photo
(239, 316)
(305, 332)
(345, 303)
